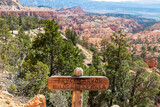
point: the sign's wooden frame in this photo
(77, 84)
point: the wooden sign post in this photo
(77, 84)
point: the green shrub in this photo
(12, 89)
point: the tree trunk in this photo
(12, 29)
(91, 99)
(133, 89)
(51, 64)
(113, 91)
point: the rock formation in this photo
(155, 28)
(49, 14)
(9, 100)
(151, 62)
(93, 27)
(150, 37)
(37, 101)
(97, 27)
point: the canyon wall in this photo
(49, 14)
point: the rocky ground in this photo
(10, 100)
(7, 99)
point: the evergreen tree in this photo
(96, 62)
(23, 45)
(127, 89)
(63, 56)
(10, 22)
(23, 39)
(68, 59)
(49, 42)
(149, 48)
(143, 48)
(5, 38)
(144, 86)
(34, 80)
(71, 35)
(117, 68)
(20, 20)
(155, 49)
(103, 48)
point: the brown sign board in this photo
(74, 83)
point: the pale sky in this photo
(129, 0)
(115, 0)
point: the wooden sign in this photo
(78, 83)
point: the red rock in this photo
(154, 27)
(42, 14)
(37, 101)
(151, 62)
(94, 27)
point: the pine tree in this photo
(49, 41)
(5, 38)
(23, 42)
(143, 84)
(103, 49)
(63, 56)
(20, 20)
(71, 35)
(96, 62)
(34, 79)
(10, 22)
(117, 69)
